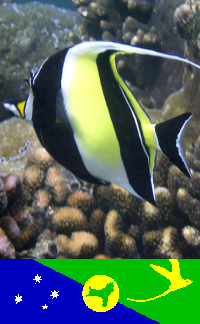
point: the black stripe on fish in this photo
(57, 138)
(134, 153)
(45, 86)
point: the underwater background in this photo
(59, 3)
(45, 211)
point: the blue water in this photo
(59, 3)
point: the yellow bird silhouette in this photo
(174, 276)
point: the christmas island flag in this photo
(147, 291)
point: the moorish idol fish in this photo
(86, 117)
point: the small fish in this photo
(86, 117)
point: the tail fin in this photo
(170, 139)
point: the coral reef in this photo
(187, 18)
(45, 248)
(7, 250)
(186, 198)
(106, 222)
(29, 34)
(172, 229)
(69, 219)
(60, 183)
(19, 229)
(115, 197)
(148, 24)
(157, 217)
(191, 245)
(118, 244)
(16, 196)
(74, 226)
(46, 181)
(96, 225)
(3, 197)
(10, 227)
(32, 180)
(29, 230)
(101, 256)
(35, 171)
(106, 20)
(81, 244)
(162, 244)
(129, 22)
(184, 100)
(41, 199)
(82, 200)
(16, 145)
(41, 159)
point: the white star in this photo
(54, 294)
(37, 279)
(18, 299)
(45, 306)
